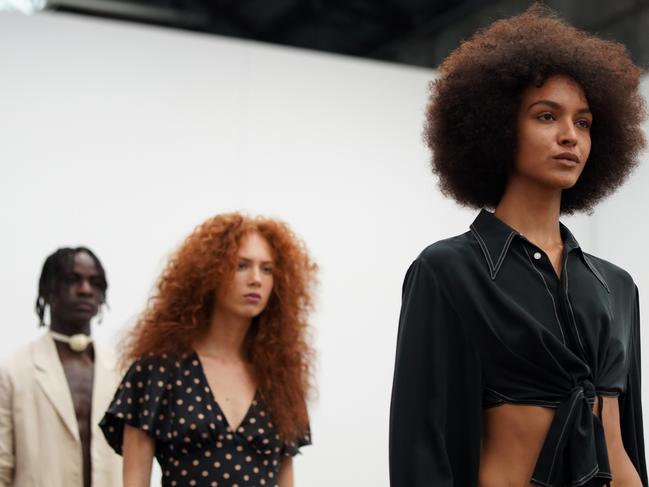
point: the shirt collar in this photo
(569, 241)
(495, 238)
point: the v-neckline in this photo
(219, 410)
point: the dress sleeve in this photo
(143, 400)
(292, 448)
(630, 402)
(436, 409)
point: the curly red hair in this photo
(277, 343)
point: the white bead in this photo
(537, 255)
(79, 342)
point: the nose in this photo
(85, 288)
(568, 134)
(255, 276)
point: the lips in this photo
(567, 157)
(84, 307)
(252, 297)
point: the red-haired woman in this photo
(219, 362)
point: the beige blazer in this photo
(39, 435)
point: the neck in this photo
(532, 210)
(225, 337)
(67, 328)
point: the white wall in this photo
(621, 232)
(123, 138)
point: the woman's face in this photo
(248, 292)
(553, 129)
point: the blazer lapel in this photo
(104, 383)
(51, 378)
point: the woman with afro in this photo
(219, 362)
(518, 355)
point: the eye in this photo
(585, 124)
(72, 278)
(546, 117)
(98, 283)
(267, 270)
(242, 266)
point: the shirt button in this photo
(537, 255)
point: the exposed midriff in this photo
(514, 434)
(511, 442)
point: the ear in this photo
(100, 314)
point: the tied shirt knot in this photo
(574, 452)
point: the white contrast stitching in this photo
(572, 313)
(504, 251)
(493, 268)
(522, 401)
(554, 304)
(594, 270)
(485, 251)
(540, 483)
(585, 478)
(563, 430)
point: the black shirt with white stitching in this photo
(485, 320)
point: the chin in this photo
(250, 313)
(567, 184)
(563, 181)
(81, 318)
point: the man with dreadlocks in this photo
(54, 391)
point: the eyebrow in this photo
(556, 106)
(248, 259)
(89, 276)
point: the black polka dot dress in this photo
(172, 402)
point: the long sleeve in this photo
(630, 403)
(6, 430)
(436, 409)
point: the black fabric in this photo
(484, 321)
(172, 402)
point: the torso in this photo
(79, 372)
(513, 436)
(209, 423)
(511, 443)
(538, 334)
(232, 385)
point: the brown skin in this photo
(553, 120)
(71, 309)
(553, 123)
(475, 100)
(222, 353)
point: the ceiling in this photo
(415, 32)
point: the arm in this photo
(436, 409)
(138, 450)
(286, 473)
(623, 471)
(6, 430)
(630, 405)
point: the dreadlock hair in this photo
(56, 269)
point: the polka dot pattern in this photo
(172, 402)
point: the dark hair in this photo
(471, 116)
(56, 270)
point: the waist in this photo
(513, 436)
(563, 445)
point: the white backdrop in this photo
(123, 138)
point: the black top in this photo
(484, 321)
(194, 444)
